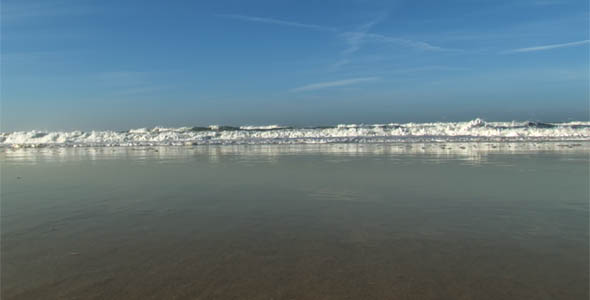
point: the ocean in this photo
(495, 211)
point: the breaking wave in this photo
(473, 131)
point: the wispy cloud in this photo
(406, 43)
(548, 47)
(123, 83)
(277, 22)
(427, 69)
(354, 39)
(329, 84)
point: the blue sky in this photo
(126, 64)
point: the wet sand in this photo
(333, 222)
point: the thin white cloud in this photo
(548, 47)
(124, 83)
(277, 22)
(329, 84)
(406, 43)
(340, 63)
(354, 39)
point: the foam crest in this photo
(472, 131)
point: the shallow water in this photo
(375, 221)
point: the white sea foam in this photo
(266, 127)
(472, 131)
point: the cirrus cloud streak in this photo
(329, 84)
(548, 47)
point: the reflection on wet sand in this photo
(373, 221)
(467, 151)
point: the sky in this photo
(114, 65)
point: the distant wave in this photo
(473, 131)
